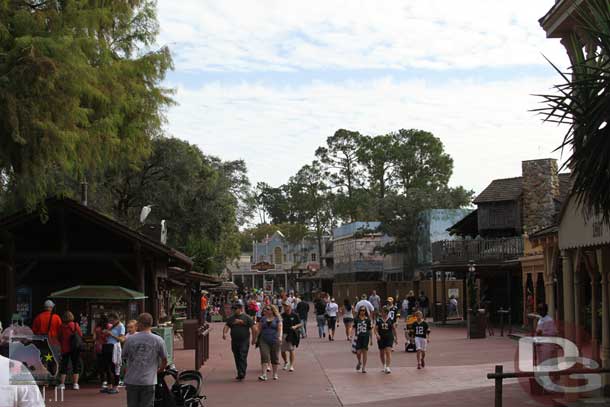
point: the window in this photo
(277, 255)
(313, 257)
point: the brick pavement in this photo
(325, 376)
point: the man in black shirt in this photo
(292, 328)
(240, 325)
(302, 312)
(424, 303)
(320, 307)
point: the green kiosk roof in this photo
(98, 292)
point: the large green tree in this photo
(79, 90)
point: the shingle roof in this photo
(509, 189)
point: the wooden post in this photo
(602, 263)
(434, 296)
(498, 398)
(444, 296)
(140, 275)
(577, 298)
(568, 294)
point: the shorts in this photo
(348, 320)
(421, 343)
(269, 352)
(332, 322)
(385, 342)
(287, 346)
(362, 342)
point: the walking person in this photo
(240, 326)
(269, 340)
(203, 305)
(303, 312)
(422, 338)
(111, 348)
(70, 350)
(385, 333)
(146, 355)
(332, 309)
(366, 304)
(412, 302)
(291, 324)
(348, 318)
(392, 309)
(362, 328)
(424, 304)
(375, 300)
(320, 308)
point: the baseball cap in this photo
(49, 304)
(238, 304)
(391, 299)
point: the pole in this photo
(498, 399)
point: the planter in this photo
(477, 324)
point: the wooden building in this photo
(71, 244)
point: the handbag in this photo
(76, 342)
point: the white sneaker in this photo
(104, 385)
(286, 366)
(291, 368)
(75, 386)
(262, 378)
(61, 387)
(388, 370)
(276, 377)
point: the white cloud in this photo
(274, 35)
(487, 128)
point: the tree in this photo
(378, 156)
(79, 89)
(339, 160)
(582, 102)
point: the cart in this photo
(410, 335)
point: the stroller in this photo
(179, 389)
(410, 335)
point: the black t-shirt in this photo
(384, 328)
(303, 309)
(290, 321)
(362, 326)
(421, 329)
(423, 301)
(240, 332)
(320, 307)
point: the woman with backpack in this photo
(70, 339)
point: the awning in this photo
(98, 292)
(225, 286)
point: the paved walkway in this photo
(325, 375)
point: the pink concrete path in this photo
(455, 375)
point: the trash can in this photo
(167, 333)
(189, 333)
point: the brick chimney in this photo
(540, 190)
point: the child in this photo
(362, 327)
(422, 334)
(99, 339)
(385, 332)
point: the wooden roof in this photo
(510, 189)
(104, 221)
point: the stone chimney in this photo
(540, 190)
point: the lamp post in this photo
(470, 294)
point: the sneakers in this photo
(419, 366)
(276, 377)
(291, 368)
(75, 386)
(61, 387)
(388, 370)
(104, 385)
(423, 363)
(104, 390)
(121, 384)
(358, 366)
(112, 391)
(363, 370)
(286, 366)
(262, 378)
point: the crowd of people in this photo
(257, 321)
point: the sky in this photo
(268, 81)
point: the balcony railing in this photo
(479, 251)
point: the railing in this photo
(202, 348)
(479, 250)
(498, 376)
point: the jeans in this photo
(304, 327)
(240, 353)
(321, 323)
(140, 396)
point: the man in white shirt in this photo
(24, 394)
(331, 312)
(546, 327)
(366, 304)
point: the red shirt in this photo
(41, 324)
(204, 303)
(65, 332)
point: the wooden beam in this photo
(73, 256)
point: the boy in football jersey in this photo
(422, 334)
(385, 332)
(392, 309)
(362, 331)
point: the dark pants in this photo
(240, 352)
(66, 358)
(140, 396)
(109, 371)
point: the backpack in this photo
(76, 342)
